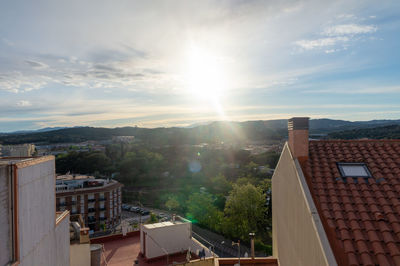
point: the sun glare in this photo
(205, 77)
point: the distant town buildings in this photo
(23, 150)
(123, 139)
(31, 231)
(97, 200)
(64, 148)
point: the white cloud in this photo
(322, 42)
(24, 103)
(349, 29)
(338, 36)
(365, 90)
(17, 82)
(36, 64)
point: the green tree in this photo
(153, 219)
(244, 210)
(200, 208)
(220, 185)
(172, 203)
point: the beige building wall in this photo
(5, 243)
(62, 243)
(298, 236)
(80, 254)
(41, 241)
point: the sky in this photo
(175, 63)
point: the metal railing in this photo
(201, 239)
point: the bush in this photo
(260, 246)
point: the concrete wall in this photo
(80, 254)
(297, 232)
(62, 243)
(41, 243)
(5, 243)
(196, 246)
(173, 239)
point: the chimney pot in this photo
(298, 136)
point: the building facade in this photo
(98, 201)
(31, 231)
(23, 150)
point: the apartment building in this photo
(31, 231)
(97, 200)
(23, 150)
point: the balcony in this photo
(91, 200)
(91, 210)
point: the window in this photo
(354, 170)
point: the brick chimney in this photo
(298, 137)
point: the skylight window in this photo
(354, 170)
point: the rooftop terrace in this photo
(124, 250)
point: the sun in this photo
(204, 75)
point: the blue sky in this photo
(174, 63)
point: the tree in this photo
(200, 208)
(172, 203)
(153, 219)
(220, 185)
(244, 210)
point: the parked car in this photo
(126, 207)
(145, 212)
(134, 209)
(161, 215)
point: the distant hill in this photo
(268, 130)
(385, 132)
(33, 131)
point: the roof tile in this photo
(362, 215)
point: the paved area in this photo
(124, 251)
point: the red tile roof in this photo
(361, 216)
